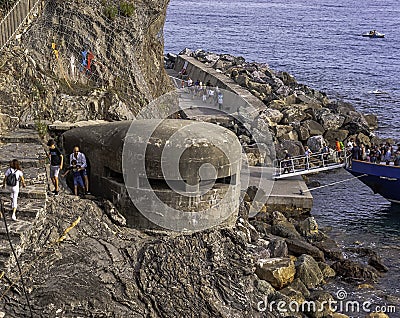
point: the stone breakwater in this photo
(294, 111)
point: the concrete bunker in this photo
(173, 174)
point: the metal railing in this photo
(15, 18)
(309, 163)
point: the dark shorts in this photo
(83, 172)
(78, 181)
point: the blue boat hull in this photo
(382, 179)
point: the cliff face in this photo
(82, 60)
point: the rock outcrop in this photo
(43, 76)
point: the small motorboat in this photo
(373, 34)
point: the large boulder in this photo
(372, 121)
(279, 272)
(282, 227)
(331, 121)
(282, 130)
(362, 138)
(277, 246)
(326, 270)
(308, 271)
(307, 227)
(295, 148)
(272, 116)
(302, 132)
(329, 247)
(299, 247)
(293, 114)
(315, 143)
(330, 136)
(313, 127)
(352, 269)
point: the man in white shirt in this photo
(81, 162)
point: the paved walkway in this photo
(24, 145)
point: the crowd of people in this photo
(382, 153)
(77, 164)
(206, 92)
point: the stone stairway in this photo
(24, 145)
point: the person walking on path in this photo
(81, 162)
(12, 178)
(56, 163)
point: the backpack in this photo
(12, 179)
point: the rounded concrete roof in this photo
(180, 149)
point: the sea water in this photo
(320, 44)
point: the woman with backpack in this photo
(12, 178)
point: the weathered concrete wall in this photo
(128, 168)
(199, 71)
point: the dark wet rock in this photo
(262, 227)
(376, 262)
(352, 269)
(302, 132)
(282, 227)
(308, 271)
(370, 256)
(313, 184)
(341, 107)
(277, 246)
(328, 246)
(298, 247)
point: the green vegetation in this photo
(110, 12)
(127, 9)
(41, 128)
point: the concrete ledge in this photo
(199, 71)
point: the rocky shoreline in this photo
(104, 269)
(294, 112)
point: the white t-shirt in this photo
(18, 174)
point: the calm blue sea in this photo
(320, 43)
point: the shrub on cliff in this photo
(127, 9)
(110, 12)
